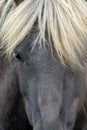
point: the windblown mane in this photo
(64, 20)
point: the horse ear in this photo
(18, 1)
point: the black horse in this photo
(53, 95)
(53, 107)
(12, 111)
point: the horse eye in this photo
(18, 57)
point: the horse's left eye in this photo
(18, 57)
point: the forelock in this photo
(64, 20)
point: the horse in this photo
(12, 112)
(46, 43)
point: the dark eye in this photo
(18, 57)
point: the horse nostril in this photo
(69, 125)
(18, 57)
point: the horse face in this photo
(47, 87)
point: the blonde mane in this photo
(64, 20)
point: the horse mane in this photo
(64, 20)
